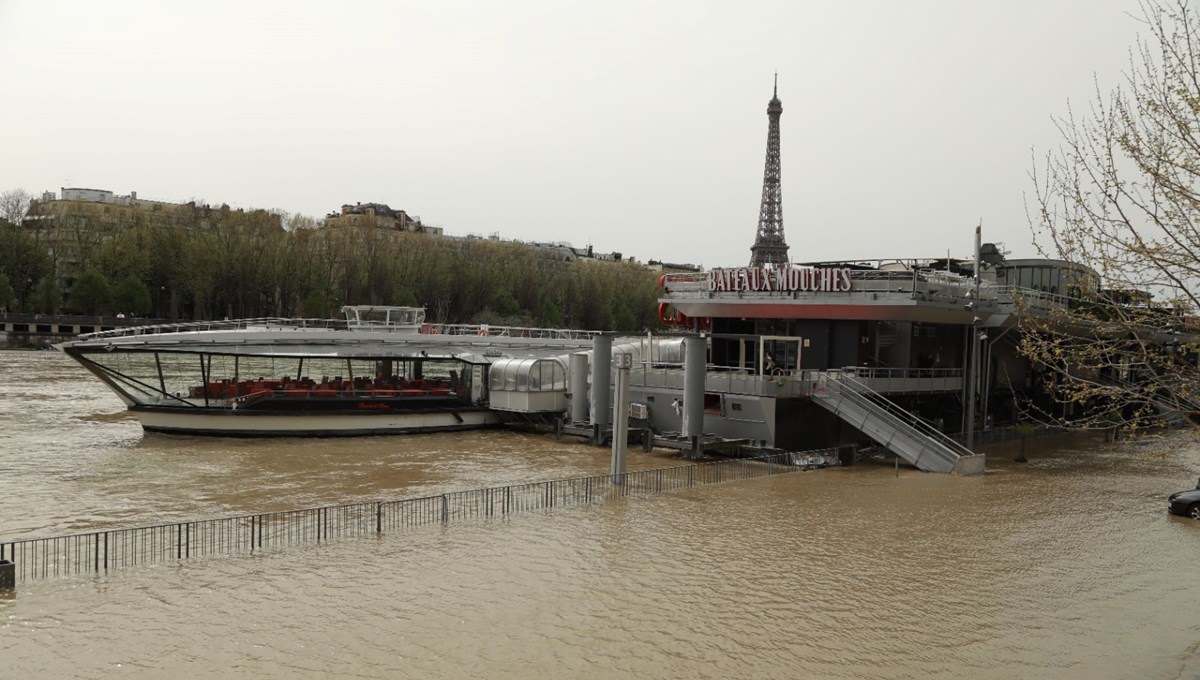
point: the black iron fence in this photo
(1007, 433)
(101, 551)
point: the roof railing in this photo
(276, 323)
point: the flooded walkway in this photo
(1067, 567)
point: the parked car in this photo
(1186, 503)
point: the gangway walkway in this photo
(899, 431)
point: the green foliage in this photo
(132, 296)
(404, 297)
(47, 296)
(504, 304)
(201, 263)
(90, 293)
(318, 304)
(8, 298)
(22, 260)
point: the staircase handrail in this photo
(864, 395)
(843, 395)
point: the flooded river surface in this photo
(1065, 567)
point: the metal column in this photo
(601, 380)
(578, 368)
(620, 441)
(695, 365)
(973, 378)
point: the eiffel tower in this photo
(770, 250)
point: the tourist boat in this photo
(381, 370)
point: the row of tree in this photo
(185, 262)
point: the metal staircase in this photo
(901, 432)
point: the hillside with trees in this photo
(190, 262)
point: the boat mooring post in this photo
(578, 367)
(8, 575)
(601, 382)
(695, 364)
(620, 440)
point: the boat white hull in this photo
(267, 424)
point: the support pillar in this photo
(601, 406)
(578, 368)
(695, 365)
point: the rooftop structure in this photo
(382, 215)
(101, 196)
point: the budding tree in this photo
(1122, 196)
(14, 205)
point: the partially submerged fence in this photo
(101, 551)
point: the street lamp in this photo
(976, 338)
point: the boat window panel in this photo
(181, 375)
(560, 377)
(534, 370)
(134, 372)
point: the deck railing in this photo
(264, 323)
(107, 550)
(798, 383)
(277, 323)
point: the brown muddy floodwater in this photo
(1067, 567)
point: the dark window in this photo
(736, 406)
(43, 328)
(20, 328)
(86, 329)
(712, 403)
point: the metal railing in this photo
(277, 323)
(873, 373)
(795, 383)
(486, 330)
(1007, 433)
(729, 380)
(106, 550)
(264, 323)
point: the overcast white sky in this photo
(635, 126)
